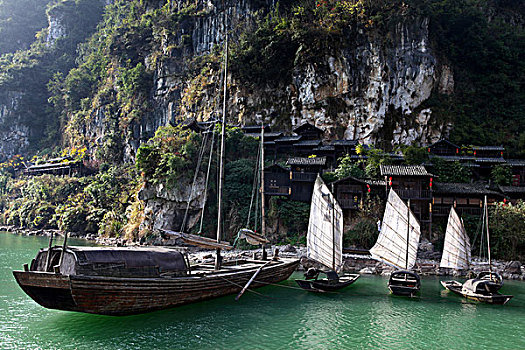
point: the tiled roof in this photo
(288, 138)
(462, 188)
(512, 189)
(516, 162)
(325, 148)
(306, 161)
(453, 158)
(488, 148)
(255, 128)
(444, 141)
(371, 182)
(403, 170)
(266, 134)
(344, 142)
(306, 126)
(490, 160)
(307, 143)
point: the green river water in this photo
(362, 316)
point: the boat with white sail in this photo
(325, 242)
(397, 245)
(457, 255)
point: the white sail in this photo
(391, 245)
(456, 249)
(325, 227)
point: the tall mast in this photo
(221, 163)
(488, 237)
(333, 228)
(263, 222)
(408, 234)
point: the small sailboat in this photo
(456, 248)
(325, 242)
(397, 245)
(456, 255)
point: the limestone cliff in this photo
(366, 88)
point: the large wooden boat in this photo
(124, 281)
(397, 245)
(457, 255)
(325, 242)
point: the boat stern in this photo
(48, 289)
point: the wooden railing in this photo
(414, 194)
(310, 177)
(444, 211)
(277, 190)
(348, 204)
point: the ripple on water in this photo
(362, 316)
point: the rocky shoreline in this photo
(427, 263)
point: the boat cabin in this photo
(479, 286)
(112, 262)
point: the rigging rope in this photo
(194, 184)
(207, 176)
(254, 187)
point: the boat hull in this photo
(125, 296)
(325, 285)
(456, 287)
(404, 283)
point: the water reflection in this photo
(362, 316)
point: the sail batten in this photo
(391, 245)
(456, 249)
(325, 227)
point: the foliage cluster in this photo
(292, 216)
(450, 171)
(20, 20)
(367, 166)
(85, 205)
(363, 229)
(507, 231)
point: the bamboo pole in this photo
(221, 166)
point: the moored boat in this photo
(478, 290)
(124, 281)
(325, 243)
(456, 255)
(397, 246)
(404, 283)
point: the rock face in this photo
(14, 135)
(372, 88)
(56, 28)
(166, 207)
(369, 89)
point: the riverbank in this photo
(353, 263)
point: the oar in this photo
(250, 281)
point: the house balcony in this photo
(307, 177)
(444, 211)
(414, 194)
(348, 204)
(277, 191)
